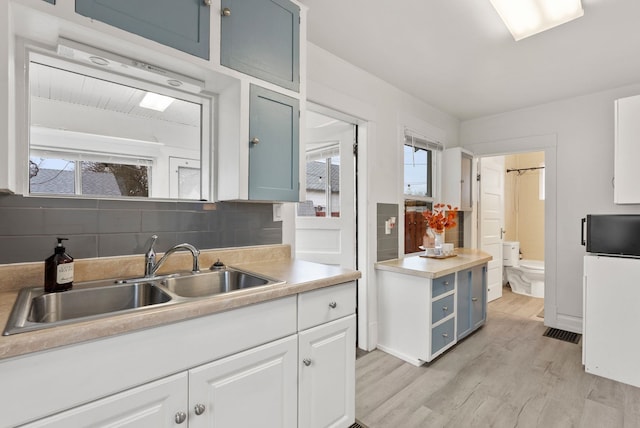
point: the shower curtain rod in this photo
(524, 169)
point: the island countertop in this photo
(435, 268)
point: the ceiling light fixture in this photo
(155, 101)
(525, 18)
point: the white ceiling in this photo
(458, 56)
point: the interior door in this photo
(325, 222)
(491, 222)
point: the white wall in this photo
(584, 133)
(384, 110)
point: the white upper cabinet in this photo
(627, 151)
(457, 178)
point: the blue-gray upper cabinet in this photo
(181, 24)
(261, 38)
(273, 146)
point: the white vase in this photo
(439, 240)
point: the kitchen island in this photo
(426, 305)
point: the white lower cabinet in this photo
(253, 388)
(327, 374)
(256, 388)
(153, 405)
(298, 371)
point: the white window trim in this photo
(436, 148)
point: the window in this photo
(94, 131)
(49, 176)
(419, 188)
(419, 167)
(323, 181)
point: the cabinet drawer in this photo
(442, 335)
(441, 308)
(326, 304)
(442, 285)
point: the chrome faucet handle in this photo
(150, 257)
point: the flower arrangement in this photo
(440, 218)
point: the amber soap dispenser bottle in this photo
(58, 270)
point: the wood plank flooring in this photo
(505, 375)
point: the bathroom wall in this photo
(523, 209)
(99, 228)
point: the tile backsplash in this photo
(387, 245)
(100, 228)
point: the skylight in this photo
(525, 18)
(155, 101)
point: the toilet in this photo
(524, 276)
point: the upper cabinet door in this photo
(181, 24)
(261, 38)
(274, 146)
(627, 151)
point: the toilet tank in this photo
(511, 253)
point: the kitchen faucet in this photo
(150, 265)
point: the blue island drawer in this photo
(443, 284)
(441, 308)
(442, 335)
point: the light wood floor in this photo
(504, 375)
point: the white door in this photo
(491, 222)
(184, 178)
(154, 405)
(256, 388)
(325, 222)
(327, 374)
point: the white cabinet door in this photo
(154, 405)
(611, 318)
(457, 167)
(255, 388)
(627, 150)
(327, 374)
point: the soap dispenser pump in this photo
(58, 270)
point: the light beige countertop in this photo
(300, 276)
(435, 268)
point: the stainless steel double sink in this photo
(35, 310)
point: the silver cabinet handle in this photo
(445, 334)
(180, 417)
(225, 12)
(307, 362)
(255, 140)
(333, 305)
(446, 283)
(207, 2)
(199, 409)
(445, 308)
(474, 299)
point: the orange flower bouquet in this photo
(440, 218)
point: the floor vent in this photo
(358, 425)
(566, 336)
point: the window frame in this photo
(436, 148)
(27, 51)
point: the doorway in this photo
(326, 220)
(512, 224)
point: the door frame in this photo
(364, 114)
(548, 144)
(347, 119)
